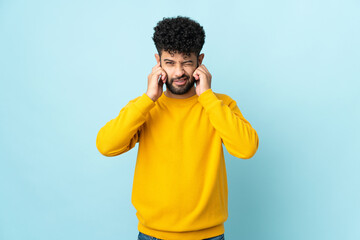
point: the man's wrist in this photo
(204, 91)
(152, 98)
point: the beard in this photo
(179, 90)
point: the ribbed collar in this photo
(178, 101)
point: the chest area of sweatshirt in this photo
(182, 125)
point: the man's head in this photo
(179, 42)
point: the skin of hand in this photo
(155, 86)
(202, 79)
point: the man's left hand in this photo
(202, 79)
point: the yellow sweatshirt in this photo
(180, 185)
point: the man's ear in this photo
(157, 57)
(201, 57)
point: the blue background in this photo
(68, 67)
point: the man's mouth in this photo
(181, 81)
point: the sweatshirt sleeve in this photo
(238, 136)
(121, 134)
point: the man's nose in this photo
(179, 71)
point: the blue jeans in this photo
(143, 236)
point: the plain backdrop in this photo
(68, 67)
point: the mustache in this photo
(175, 79)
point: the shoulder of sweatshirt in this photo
(226, 98)
(133, 100)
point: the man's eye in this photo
(169, 63)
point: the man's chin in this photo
(180, 90)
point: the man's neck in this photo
(190, 93)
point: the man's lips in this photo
(181, 81)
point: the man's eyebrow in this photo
(174, 61)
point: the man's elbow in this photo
(111, 153)
(104, 151)
(107, 150)
(245, 151)
(249, 154)
(243, 154)
(252, 148)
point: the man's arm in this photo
(121, 134)
(238, 136)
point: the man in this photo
(180, 185)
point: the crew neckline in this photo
(178, 100)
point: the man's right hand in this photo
(155, 86)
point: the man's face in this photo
(179, 69)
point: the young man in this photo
(180, 184)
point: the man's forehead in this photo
(168, 55)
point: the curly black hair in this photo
(179, 35)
